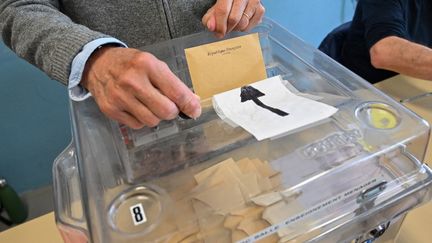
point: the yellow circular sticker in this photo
(381, 117)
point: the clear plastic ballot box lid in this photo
(205, 180)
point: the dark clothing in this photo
(334, 41)
(376, 19)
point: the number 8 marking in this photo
(138, 214)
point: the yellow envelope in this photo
(225, 65)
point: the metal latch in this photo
(372, 192)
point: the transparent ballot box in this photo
(348, 178)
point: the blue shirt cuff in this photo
(76, 91)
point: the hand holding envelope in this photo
(229, 70)
(225, 65)
(228, 15)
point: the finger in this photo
(157, 103)
(140, 112)
(236, 14)
(119, 100)
(209, 20)
(206, 16)
(128, 120)
(211, 23)
(173, 88)
(243, 23)
(115, 113)
(222, 9)
(257, 17)
(247, 15)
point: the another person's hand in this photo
(137, 89)
(228, 15)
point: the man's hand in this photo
(228, 15)
(135, 88)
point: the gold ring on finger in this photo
(246, 15)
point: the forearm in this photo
(402, 56)
(38, 32)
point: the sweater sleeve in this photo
(37, 31)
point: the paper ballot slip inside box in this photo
(267, 108)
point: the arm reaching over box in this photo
(136, 88)
(389, 37)
(402, 56)
(130, 86)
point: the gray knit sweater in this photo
(49, 33)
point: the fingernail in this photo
(211, 24)
(184, 116)
(196, 113)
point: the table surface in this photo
(401, 88)
(417, 225)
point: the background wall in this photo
(34, 122)
(310, 20)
